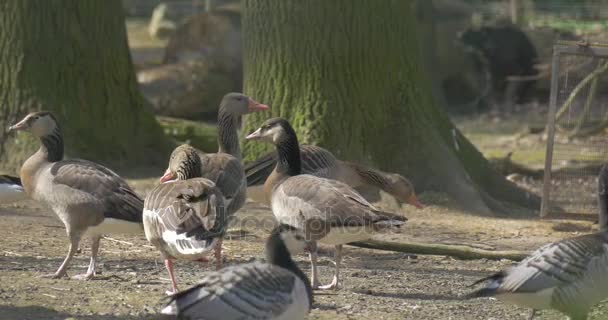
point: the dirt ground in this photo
(379, 284)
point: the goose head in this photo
(238, 104)
(184, 163)
(403, 190)
(40, 124)
(273, 130)
(286, 239)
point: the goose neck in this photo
(228, 139)
(51, 145)
(288, 152)
(278, 255)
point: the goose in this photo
(327, 210)
(11, 189)
(224, 168)
(567, 275)
(90, 199)
(185, 218)
(276, 289)
(322, 163)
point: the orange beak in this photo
(255, 106)
(168, 176)
(414, 201)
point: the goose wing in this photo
(555, 264)
(111, 193)
(306, 197)
(188, 215)
(249, 291)
(225, 171)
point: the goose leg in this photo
(61, 272)
(314, 277)
(218, 254)
(532, 314)
(94, 250)
(334, 281)
(169, 266)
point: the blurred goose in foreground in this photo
(327, 210)
(277, 289)
(224, 167)
(567, 275)
(88, 198)
(320, 162)
(11, 189)
(185, 219)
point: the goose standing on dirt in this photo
(277, 289)
(224, 168)
(89, 198)
(567, 275)
(11, 189)
(327, 210)
(185, 219)
(320, 162)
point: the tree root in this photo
(455, 251)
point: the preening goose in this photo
(327, 210)
(89, 198)
(567, 275)
(185, 219)
(277, 289)
(320, 162)
(224, 167)
(11, 189)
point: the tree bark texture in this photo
(71, 57)
(350, 77)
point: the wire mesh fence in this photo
(577, 144)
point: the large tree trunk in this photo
(349, 76)
(71, 57)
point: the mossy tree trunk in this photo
(349, 76)
(71, 57)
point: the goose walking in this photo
(224, 168)
(567, 275)
(277, 289)
(327, 210)
(90, 199)
(11, 189)
(185, 219)
(322, 163)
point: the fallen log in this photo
(456, 251)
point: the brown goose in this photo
(327, 210)
(223, 168)
(320, 162)
(11, 189)
(89, 198)
(185, 219)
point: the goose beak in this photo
(255, 106)
(168, 176)
(412, 200)
(257, 134)
(21, 125)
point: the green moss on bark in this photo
(349, 76)
(71, 57)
